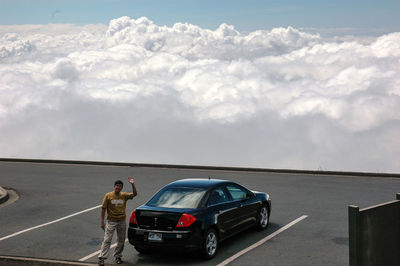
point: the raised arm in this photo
(130, 180)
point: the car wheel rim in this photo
(264, 217)
(211, 244)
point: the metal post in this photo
(354, 243)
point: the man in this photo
(115, 204)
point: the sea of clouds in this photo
(135, 91)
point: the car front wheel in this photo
(263, 218)
(210, 244)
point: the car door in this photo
(246, 207)
(224, 210)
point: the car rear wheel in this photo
(210, 244)
(263, 218)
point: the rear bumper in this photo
(188, 239)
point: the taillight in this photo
(186, 220)
(133, 218)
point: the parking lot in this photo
(58, 213)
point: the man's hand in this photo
(130, 180)
(103, 213)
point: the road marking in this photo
(52, 222)
(262, 241)
(98, 252)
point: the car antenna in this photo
(209, 177)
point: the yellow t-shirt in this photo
(115, 205)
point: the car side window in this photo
(218, 196)
(236, 192)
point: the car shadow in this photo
(227, 248)
(244, 239)
(169, 257)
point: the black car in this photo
(197, 214)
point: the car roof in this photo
(198, 182)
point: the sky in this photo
(272, 84)
(251, 15)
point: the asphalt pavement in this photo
(49, 192)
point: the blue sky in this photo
(244, 15)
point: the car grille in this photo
(157, 220)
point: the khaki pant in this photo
(111, 226)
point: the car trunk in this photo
(157, 220)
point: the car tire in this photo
(142, 250)
(210, 244)
(263, 218)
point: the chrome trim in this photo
(159, 231)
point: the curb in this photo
(18, 261)
(3, 195)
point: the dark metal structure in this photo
(374, 234)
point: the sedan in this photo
(197, 214)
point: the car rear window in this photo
(177, 197)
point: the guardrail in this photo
(374, 234)
(202, 167)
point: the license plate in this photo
(155, 236)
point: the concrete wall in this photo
(374, 234)
(205, 167)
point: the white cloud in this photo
(137, 91)
(12, 46)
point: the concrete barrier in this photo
(203, 167)
(374, 234)
(21, 261)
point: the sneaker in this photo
(101, 262)
(118, 260)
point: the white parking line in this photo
(262, 241)
(52, 222)
(98, 252)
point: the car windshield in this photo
(177, 197)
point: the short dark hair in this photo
(118, 182)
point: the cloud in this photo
(62, 69)
(13, 46)
(137, 91)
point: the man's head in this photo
(118, 185)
